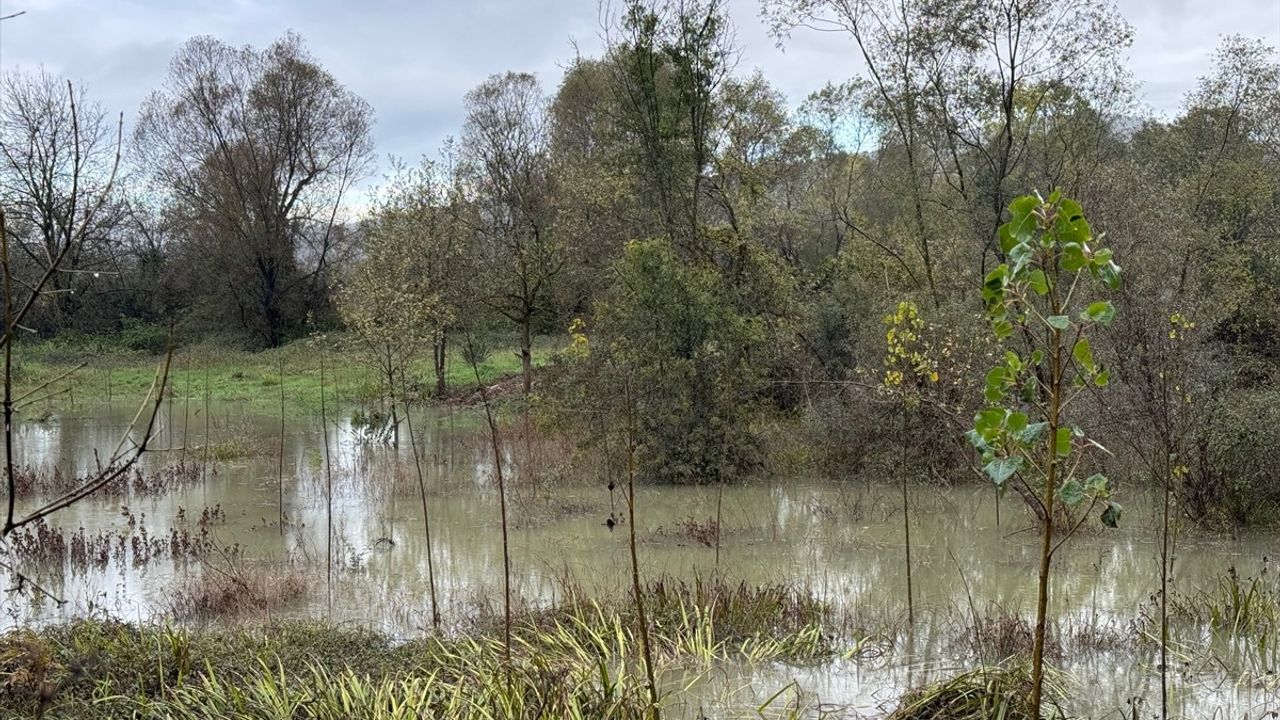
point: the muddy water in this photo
(842, 538)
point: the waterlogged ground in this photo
(841, 538)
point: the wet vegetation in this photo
(948, 392)
(572, 660)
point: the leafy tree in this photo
(405, 292)
(596, 207)
(1037, 306)
(1221, 159)
(960, 88)
(506, 157)
(908, 368)
(689, 349)
(670, 61)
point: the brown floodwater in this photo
(840, 537)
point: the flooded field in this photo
(974, 558)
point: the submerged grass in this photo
(985, 693)
(111, 670)
(577, 660)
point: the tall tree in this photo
(961, 86)
(257, 149)
(506, 157)
(408, 288)
(670, 59)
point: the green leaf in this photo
(1073, 257)
(1001, 469)
(994, 391)
(1071, 225)
(1029, 389)
(1022, 207)
(1111, 514)
(1102, 378)
(1020, 254)
(976, 440)
(995, 280)
(1071, 492)
(988, 423)
(1096, 485)
(1084, 355)
(1007, 239)
(1002, 329)
(1102, 312)
(1060, 322)
(1062, 445)
(1039, 282)
(1032, 433)
(1109, 273)
(1016, 422)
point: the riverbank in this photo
(58, 373)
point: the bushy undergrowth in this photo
(1232, 478)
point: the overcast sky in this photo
(413, 60)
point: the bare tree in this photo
(58, 162)
(257, 148)
(79, 208)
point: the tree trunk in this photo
(441, 347)
(1056, 372)
(526, 352)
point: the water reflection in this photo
(840, 538)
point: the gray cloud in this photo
(413, 61)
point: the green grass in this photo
(578, 660)
(985, 693)
(237, 375)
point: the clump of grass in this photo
(702, 532)
(238, 591)
(1244, 606)
(711, 620)
(1236, 605)
(53, 481)
(998, 635)
(580, 659)
(782, 621)
(112, 670)
(462, 680)
(1001, 691)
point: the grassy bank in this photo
(103, 367)
(578, 660)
